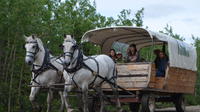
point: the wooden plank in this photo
(132, 79)
(133, 72)
(180, 88)
(180, 80)
(132, 76)
(133, 67)
(176, 80)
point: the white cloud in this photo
(182, 15)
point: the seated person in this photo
(161, 63)
(119, 57)
(113, 55)
(132, 54)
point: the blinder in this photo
(75, 46)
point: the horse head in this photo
(33, 45)
(69, 48)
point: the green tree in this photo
(168, 30)
(48, 19)
(125, 18)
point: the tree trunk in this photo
(19, 87)
(11, 80)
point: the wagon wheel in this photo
(134, 107)
(179, 102)
(147, 103)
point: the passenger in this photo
(113, 55)
(132, 54)
(161, 63)
(156, 52)
(119, 57)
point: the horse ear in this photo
(64, 36)
(25, 36)
(33, 36)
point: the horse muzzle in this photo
(29, 61)
(66, 63)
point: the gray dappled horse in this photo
(82, 72)
(46, 70)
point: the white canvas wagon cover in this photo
(181, 55)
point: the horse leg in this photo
(34, 91)
(80, 103)
(100, 92)
(62, 101)
(85, 99)
(66, 98)
(49, 99)
(116, 94)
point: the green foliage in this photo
(48, 19)
(125, 18)
(168, 30)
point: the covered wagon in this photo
(140, 78)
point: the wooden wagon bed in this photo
(141, 77)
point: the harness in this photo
(46, 65)
(30, 52)
(81, 64)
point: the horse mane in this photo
(40, 44)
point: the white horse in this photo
(82, 72)
(46, 70)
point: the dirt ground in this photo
(188, 109)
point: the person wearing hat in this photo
(119, 57)
(132, 54)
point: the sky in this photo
(182, 15)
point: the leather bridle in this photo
(30, 53)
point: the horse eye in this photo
(33, 47)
